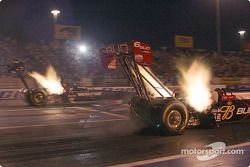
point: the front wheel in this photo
(174, 118)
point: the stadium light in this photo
(83, 48)
(55, 14)
(242, 32)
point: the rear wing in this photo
(136, 59)
(140, 52)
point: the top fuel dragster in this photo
(34, 96)
(157, 106)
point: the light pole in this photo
(55, 15)
(218, 26)
(242, 34)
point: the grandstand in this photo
(73, 67)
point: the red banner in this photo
(142, 53)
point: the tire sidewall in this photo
(32, 101)
(181, 108)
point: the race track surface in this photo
(102, 135)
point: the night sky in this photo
(108, 21)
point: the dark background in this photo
(108, 21)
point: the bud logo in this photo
(117, 49)
(228, 112)
(140, 46)
(243, 111)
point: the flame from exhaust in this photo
(195, 83)
(50, 81)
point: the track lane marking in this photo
(119, 118)
(43, 113)
(48, 108)
(84, 108)
(31, 109)
(168, 158)
(60, 124)
(102, 112)
(112, 114)
(80, 108)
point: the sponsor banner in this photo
(98, 93)
(238, 88)
(183, 41)
(67, 32)
(111, 62)
(9, 94)
(231, 81)
(109, 57)
(240, 91)
(142, 53)
(114, 93)
(112, 89)
(91, 93)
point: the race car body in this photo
(34, 96)
(230, 107)
(154, 104)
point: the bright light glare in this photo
(195, 83)
(83, 48)
(55, 12)
(242, 32)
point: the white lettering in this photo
(138, 45)
(242, 111)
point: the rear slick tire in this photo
(174, 118)
(37, 98)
